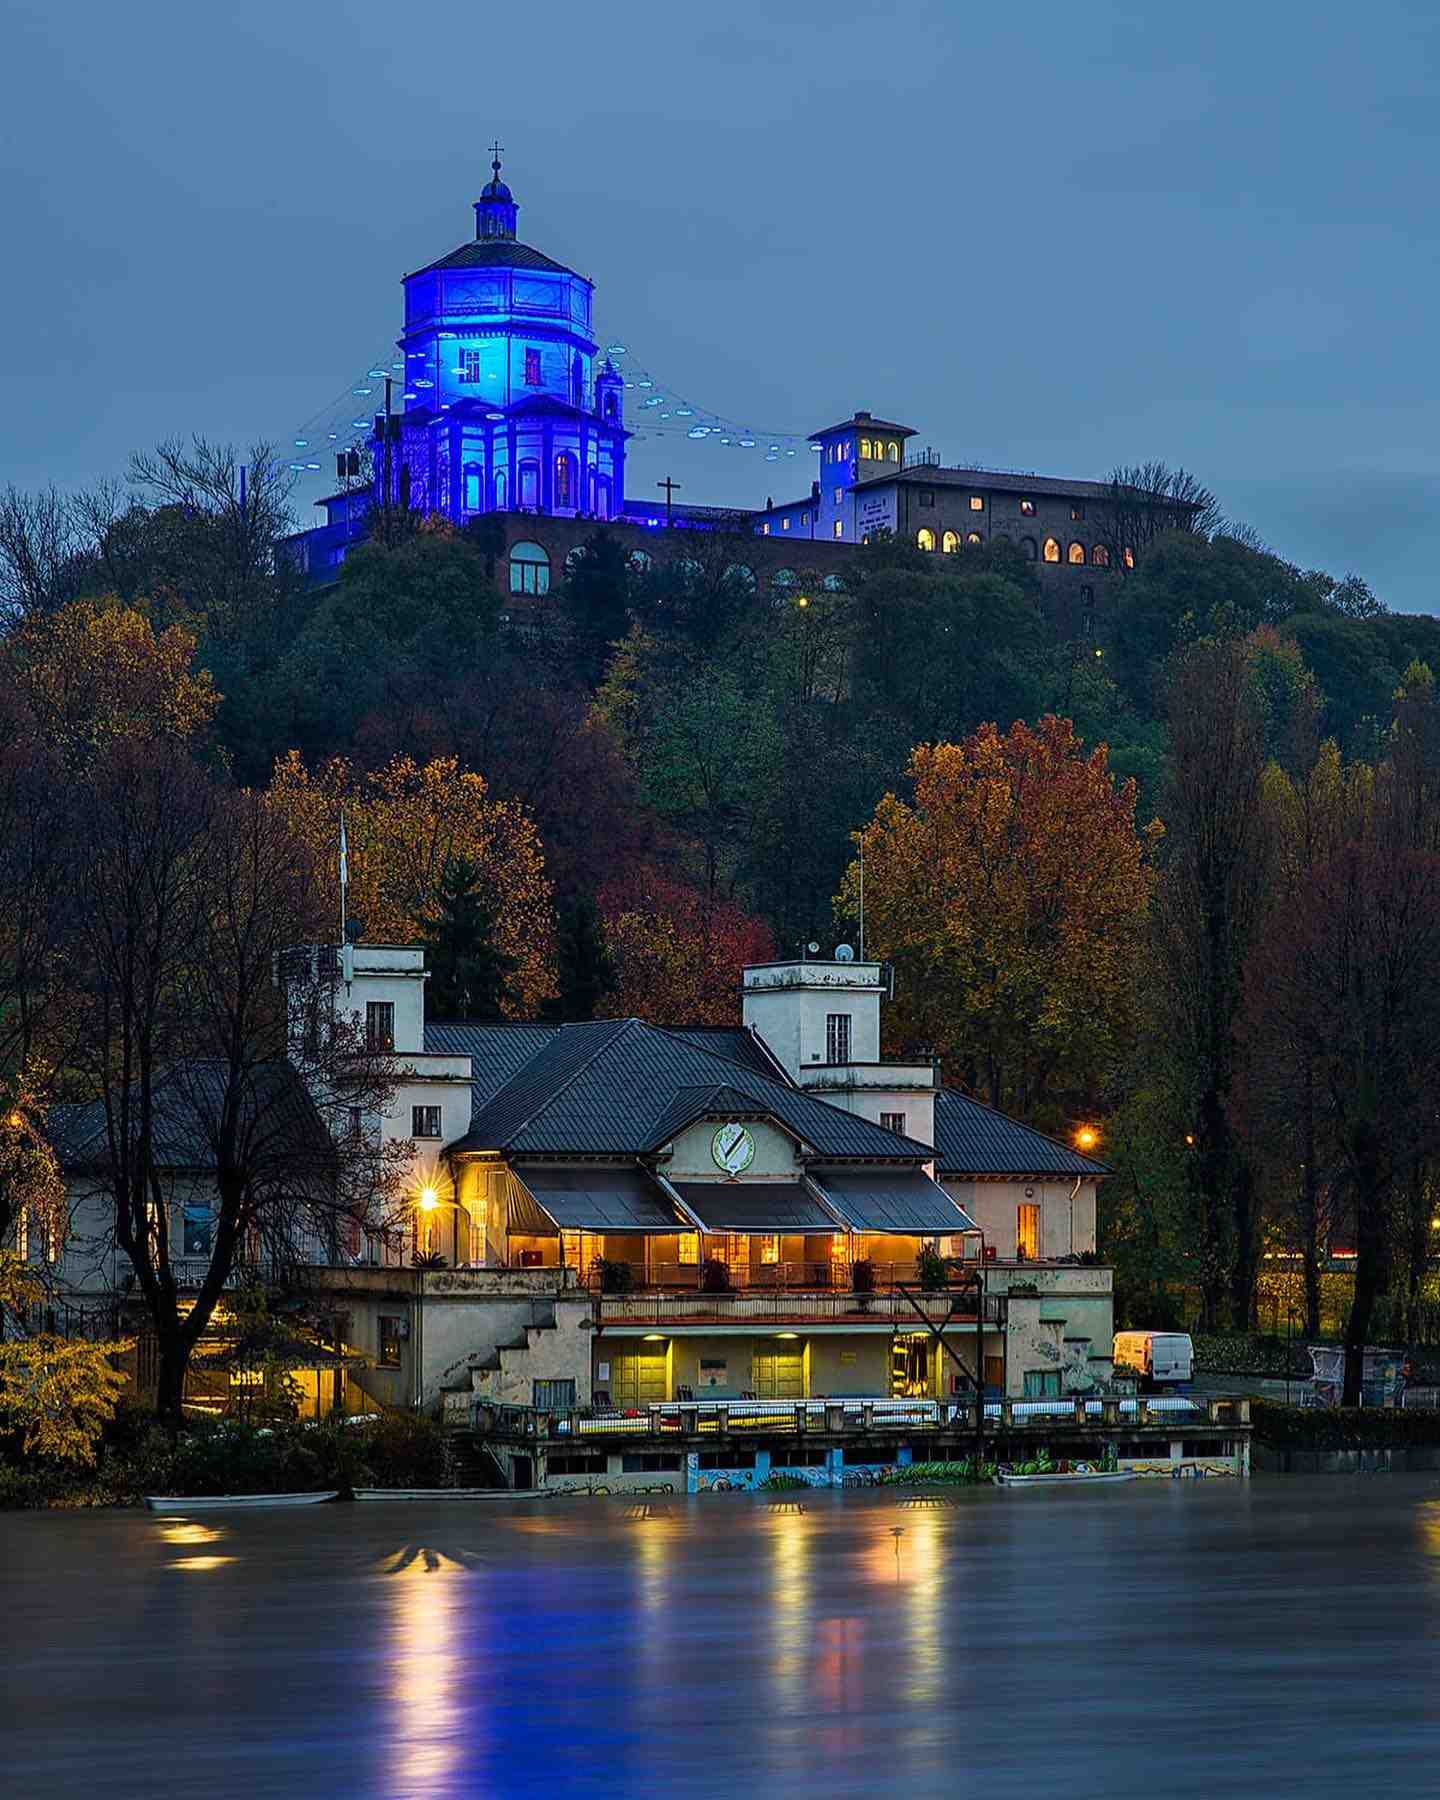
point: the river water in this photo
(1274, 1637)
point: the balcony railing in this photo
(792, 1306)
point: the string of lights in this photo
(656, 410)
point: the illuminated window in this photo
(425, 1121)
(1027, 549)
(532, 368)
(1100, 557)
(380, 1024)
(1052, 550)
(973, 537)
(1129, 557)
(469, 365)
(529, 569)
(564, 479)
(392, 1334)
(950, 542)
(865, 448)
(1027, 1230)
(1027, 507)
(804, 518)
(924, 538)
(785, 523)
(839, 495)
(472, 487)
(837, 1037)
(839, 529)
(1077, 511)
(894, 452)
(770, 1247)
(765, 529)
(688, 1247)
(1076, 553)
(500, 490)
(977, 503)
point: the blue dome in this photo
(496, 190)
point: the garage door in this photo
(637, 1378)
(779, 1374)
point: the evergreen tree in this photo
(587, 973)
(469, 972)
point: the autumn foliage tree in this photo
(676, 953)
(408, 825)
(1010, 895)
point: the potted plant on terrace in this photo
(931, 1269)
(714, 1277)
(862, 1281)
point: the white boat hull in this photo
(1067, 1480)
(188, 1503)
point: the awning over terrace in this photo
(905, 1201)
(596, 1199)
(770, 1206)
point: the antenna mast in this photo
(862, 896)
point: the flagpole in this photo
(346, 953)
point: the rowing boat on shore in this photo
(188, 1503)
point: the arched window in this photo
(529, 569)
(1052, 550)
(472, 487)
(783, 580)
(499, 490)
(741, 577)
(564, 479)
(973, 537)
(950, 542)
(602, 497)
(865, 448)
(1076, 553)
(1100, 557)
(1129, 558)
(574, 558)
(924, 538)
(529, 486)
(640, 561)
(894, 452)
(1027, 549)
(612, 407)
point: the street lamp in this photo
(1086, 1137)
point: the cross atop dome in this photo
(495, 210)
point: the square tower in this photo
(857, 449)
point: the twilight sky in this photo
(1049, 236)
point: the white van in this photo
(1160, 1358)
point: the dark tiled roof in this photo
(974, 1139)
(737, 1042)
(1002, 480)
(497, 1052)
(864, 424)
(278, 1119)
(601, 1199)
(600, 1089)
(904, 1200)
(686, 1104)
(494, 253)
(755, 1206)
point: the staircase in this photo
(554, 1348)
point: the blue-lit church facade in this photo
(504, 406)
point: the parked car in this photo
(1161, 1359)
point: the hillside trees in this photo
(1010, 894)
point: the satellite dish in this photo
(812, 949)
(843, 953)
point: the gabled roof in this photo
(737, 1043)
(279, 1119)
(494, 253)
(687, 1104)
(972, 1139)
(602, 1088)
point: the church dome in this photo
(495, 189)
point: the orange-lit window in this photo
(1052, 550)
(1100, 557)
(689, 1247)
(770, 1247)
(977, 503)
(973, 537)
(1129, 558)
(1027, 507)
(950, 542)
(1077, 553)
(925, 538)
(1077, 511)
(1027, 1231)
(865, 448)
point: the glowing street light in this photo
(429, 1199)
(1086, 1137)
